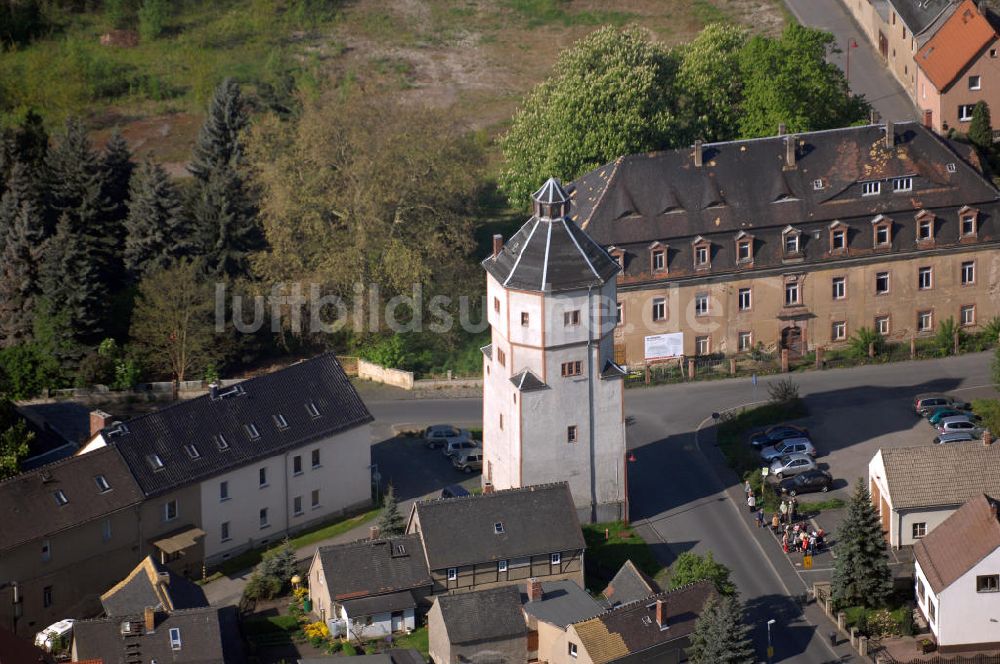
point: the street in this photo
(868, 75)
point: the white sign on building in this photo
(663, 346)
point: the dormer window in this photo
(280, 421)
(951, 167)
(192, 451)
(220, 442)
(102, 484)
(744, 247)
(252, 431)
(838, 237)
(155, 462)
(882, 229)
(619, 257)
(702, 253)
(658, 257)
(902, 185)
(60, 497)
(498, 528)
(925, 226)
(818, 184)
(312, 409)
(871, 188)
(968, 220)
(791, 244)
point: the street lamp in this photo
(629, 458)
(770, 648)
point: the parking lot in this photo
(415, 471)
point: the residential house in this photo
(957, 577)
(549, 608)
(190, 636)
(15, 650)
(500, 538)
(154, 585)
(374, 587)
(915, 489)
(656, 629)
(792, 242)
(263, 458)
(59, 427)
(629, 584)
(486, 625)
(553, 399)
(391, 656)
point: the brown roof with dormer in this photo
(955, 45)
(957, 545)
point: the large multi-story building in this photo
(794, 241)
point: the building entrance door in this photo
(791, 340)
(397, 621)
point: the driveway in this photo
(868, 75)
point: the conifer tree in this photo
(981, 127)
(391, 522)
(117, 165)
(721, 636)
(28, 144)
(156, 228)
(219, 141)
(861, 570)
(19, 279)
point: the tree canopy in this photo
(690, 567)
(721, 636)
(861, 573)
(391, 522)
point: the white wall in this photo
(932, 517)
(381, 624)
(343, 481)
(967, 616)
(927, 600)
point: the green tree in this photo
(612, 94)
(981, 127)
(945, 335)
(22, 189)
(19, 280)
(157, 232)
(391, 522)
(119, 13)
(172, 325)
(14, 447)
(153, 15)
(861, 570)
(280, 563)
(220, 139)
(117, 169)
(708, 83)
(27, 144)
(863, 338)
(721, 636)
(690, 567)
(789, 80)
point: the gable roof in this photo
(483, 615)
(207, 635)
(374, 567)
(918, 15)
(920, 477)
(29, 509)
(257, 402)
(629, 584)
(959, 543)
(151, 584)
(392, 656)
(955, 45)
(562, 603)
(631, 628)
(536, 520)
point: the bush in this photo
(989, 410)
(783, 390)
(349, 649)
(863, 338)
(279, 563)
(260, 586)
(153, 18)
(945, 336)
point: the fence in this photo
(880, 655)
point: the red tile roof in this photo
(953, 47)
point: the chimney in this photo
(697, 153)
(782, 129)
(98, 420)
(534, 590)
(487, 488)
(213, 391)
(661, 614)
(150, 616)
(873, 117)
(373, 533)
(987, 438)
(789, 152)
(890, 135)
(497, 244)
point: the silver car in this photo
(439, 435)
(792, 464)
(469, 461)
(788, 446)
(959, 423)
(955, 437)
(456, 448)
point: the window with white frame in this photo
(967, 315)
(262, 477)
(839, 288)
(701, 304)
(452, 574)
(745, 299)
(744, 341)
(791, 243)
(882, 234)
(223, 491)
(900, 185)
(555, 559)
(925, 278)
(702, 345)
(224, 532)
(659, 309)
(881, 283)
(792, 294)
(659, 260)
(572, 650)
(975, 82)
(968, 225)
(925, 321)
(838, 331)
(744, 250)
(968, 273)
(701, 255)
(871, 188)
(965, 112)
(919, 530)
(297, 464)
(882, 325)
(925, 229)
(297, 506)
(175, 638)
(501, 566)
(170, 510)
(838, 239)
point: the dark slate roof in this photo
(393, 656)
(745, 186)
(551, 192)
(631, 628)
(256, 402)
(207, 636)
(483, 615)
(919, 14)
(562, 603)
(368, 606)
(629, 585)
(527, 381)
(151, 584)
(536, 520)
(29, 509)
(59, 430)
(551, 255)
(374, 567)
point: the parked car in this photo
(792, 464)
(958, 423)
(468, 461)
(787, 446)
(925, 403)
(777, 433)
(955, 437)
(807, 482)
(439, 434)
(455, 447)
(454, 491)
(942, 412)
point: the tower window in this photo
(571, 317)
(571, 434)
(524, 319)
(571, 368)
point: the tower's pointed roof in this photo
(551, 255)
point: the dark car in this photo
(808, 482)
(454, 491)
(776, 434)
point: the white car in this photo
(792, 464)
(439, 435)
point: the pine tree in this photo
(391, 522)
(861, 571)
(720, 635)
(981, 128)
(117, 167)
(219, 142)
(156, 228)
(28, 144)
(19, 280)
(22, 188)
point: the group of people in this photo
(795, 536)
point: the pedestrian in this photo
(760, 518)
(746, 488)
(792, 505)
(784, 542)
(775, 523)
(752, 502)
(784, 512)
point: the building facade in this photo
(553, 406)
(794, 242)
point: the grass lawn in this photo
(270, 631)
(734, 431)
(609, 545)
(418, 640)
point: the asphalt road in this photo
(679, 504)
(868, 75)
